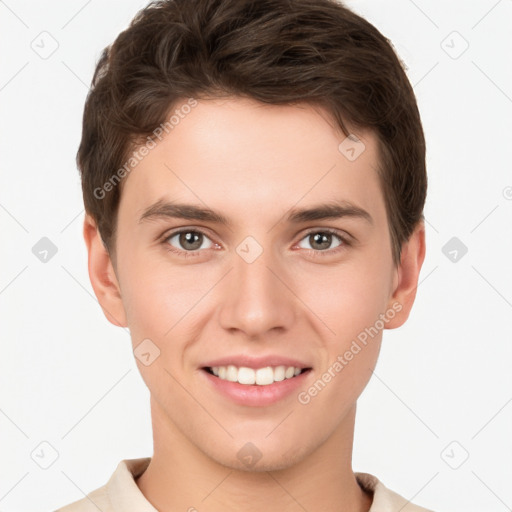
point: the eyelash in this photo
(328, 252)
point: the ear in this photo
(102, 275)
(406, 277)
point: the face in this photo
(254, 284)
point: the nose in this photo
(257, 297)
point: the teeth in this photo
(232, 373)
(264, 376)
(246, 375)
(279, 373)
(261, 376)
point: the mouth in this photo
(256, 381)
(264, 376)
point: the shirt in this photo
(121, 493)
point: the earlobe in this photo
(411, 261)
(102, 276)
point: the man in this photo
(254, 181)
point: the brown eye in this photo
(322, 240)
(188, 240)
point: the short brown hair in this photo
(274, 51)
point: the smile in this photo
(264, 376)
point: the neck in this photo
(181, 477)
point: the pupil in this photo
(188, 238)
(322, 238)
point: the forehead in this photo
(241, 154)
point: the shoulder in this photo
(384, 499)
(94, 501)
(120, 493)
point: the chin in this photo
(259, 457)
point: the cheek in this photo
(351, 306)
(346, 299)
(157, 295)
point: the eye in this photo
(321, 240)
(188, 241)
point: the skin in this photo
(253, 163)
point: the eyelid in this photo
(333, 231)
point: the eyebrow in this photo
(331, 210)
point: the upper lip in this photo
(256, 362)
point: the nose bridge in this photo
(257, 301)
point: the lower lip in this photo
(255, 395)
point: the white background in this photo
(442, 389)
